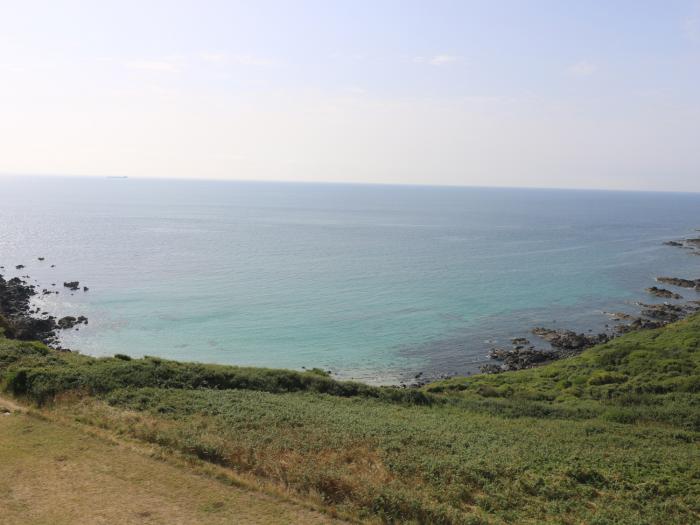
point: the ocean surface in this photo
(376, 283)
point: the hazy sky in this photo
(600, 94)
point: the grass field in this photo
(53, 473)
(610, 436)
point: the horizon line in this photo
(340, 183)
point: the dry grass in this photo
(52, 473)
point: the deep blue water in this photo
(372, 282)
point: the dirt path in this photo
(7, 405)
(55, 474)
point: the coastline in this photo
(612, 433)
(22, 319)
(420, 281)
(599, 431)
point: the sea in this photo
(377, 283)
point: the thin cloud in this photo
(214, 58)
(441, 60)
(582, 69)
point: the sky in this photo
(570, 94)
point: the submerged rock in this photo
(519, 341)
(673, 243)
(619, 316)
(662, 292)
(73, 285)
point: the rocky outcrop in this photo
(69, 321)
(639, 323)
(518, 358)
(565, 343)
(18, 320)
(676, 281)
(666, 312)
(16, 317)
(72, 285)
(663, 293)
(569, 340)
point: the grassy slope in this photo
(652, 375)
(610, 436)
(52, 473)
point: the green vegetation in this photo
(652, 375)
(610, 436)
(40, 374)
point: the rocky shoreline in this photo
(566, 343)
(19, 320)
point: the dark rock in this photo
(85, 288)
(17, 316)
(40, 258)
(664, 312)
(675, 281)
(662, 292)
(639, 323)
(73, 285)
(19, 266)
(69, 321)
(518, 358)
(569, 340)
(673, 243)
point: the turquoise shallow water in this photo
(373, 282)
